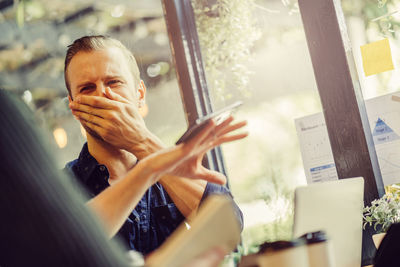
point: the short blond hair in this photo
(95, 43)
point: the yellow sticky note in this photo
(377, 57)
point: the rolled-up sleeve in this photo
(215, 189)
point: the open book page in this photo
(214, 225)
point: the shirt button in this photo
(163, 217)
(102, 168)
(144, 230)
(86, 169)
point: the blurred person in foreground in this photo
(45, 222)
(105, 93)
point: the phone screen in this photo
(200, 123)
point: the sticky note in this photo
(377, 57)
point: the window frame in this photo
(186, 53)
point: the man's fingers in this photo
(94, 127)
(211, 176)
(76, 107)
(216, 141)
(225, 122)
(96, 101)
(113, 96)
(88, 117)
(204, 133)
(232, 128)
(229, 138)
(222, 130)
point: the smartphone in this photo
(200, 123)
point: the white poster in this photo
(315, 149)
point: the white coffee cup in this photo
(320, 251)
(284, 254)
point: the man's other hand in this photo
(185, 159)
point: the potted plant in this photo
(382, 213)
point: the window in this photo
(370, 21)
(35, 35)
(264, 168)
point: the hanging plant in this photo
(227, 31)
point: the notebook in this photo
(214, 225)
(336, 208)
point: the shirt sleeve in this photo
(215, 189)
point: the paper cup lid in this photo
(280, 245)
(314, 237)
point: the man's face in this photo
(89, 73)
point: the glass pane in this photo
(34, 39)
(256, 52)
(367, 22)
(372, 23)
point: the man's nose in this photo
(101, 90)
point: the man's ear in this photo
(141, 90)
(141, 93)
(69, 99)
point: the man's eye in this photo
(84, 88)
(114, 82)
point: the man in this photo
(44, 221)
(105, 92)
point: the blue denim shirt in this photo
(154, 218)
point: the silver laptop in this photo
(336, 208)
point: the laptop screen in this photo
(336, 208)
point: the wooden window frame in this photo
(190, 72)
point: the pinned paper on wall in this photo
(383, 117)
(377, 57)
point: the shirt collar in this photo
(86, 164)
